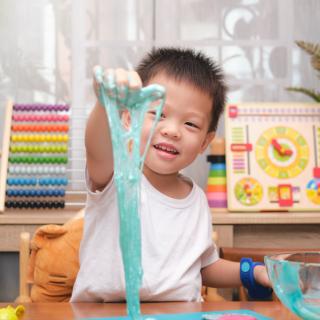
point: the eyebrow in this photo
(196, 114)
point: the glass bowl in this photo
(295, 278)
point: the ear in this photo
(209, 137)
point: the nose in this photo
(170, 129)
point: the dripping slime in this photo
(128, 165)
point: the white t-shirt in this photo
(176, 243)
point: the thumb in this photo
(146, 95)
(153, 92)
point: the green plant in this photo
(314, 51)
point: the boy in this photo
(178, 255)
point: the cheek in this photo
(196, 143)
(145, 132)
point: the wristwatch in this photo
(255, 290)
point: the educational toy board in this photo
(34, 156)
(272, 154)
(219, 315)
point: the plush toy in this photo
(54, 260)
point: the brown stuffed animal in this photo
(54, 260)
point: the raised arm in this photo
(97, 138)
(98, 148)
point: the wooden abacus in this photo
(33, 173)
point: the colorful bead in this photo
(40, 128)
(53, 181)
(39, 138)
(63, 148)
(40, 107)
(34, 181)
(22, 159)
(35, 204)
(21, 181)
(36, 170)
(35, 192)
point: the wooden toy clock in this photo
(272, 152)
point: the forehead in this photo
(183, 92)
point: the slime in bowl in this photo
(295, 278)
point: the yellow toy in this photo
(10, 313)
(54, 261)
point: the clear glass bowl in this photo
(295, 278)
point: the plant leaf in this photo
(315, 62)
(309, 92)
(311, 48)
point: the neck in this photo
(171, 184)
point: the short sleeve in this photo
(210, 256)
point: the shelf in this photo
(228, 218)
(19, 217)
(36, 217)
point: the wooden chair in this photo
(257, 255)
(24, 253)
(25, 263)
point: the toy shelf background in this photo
(258, 176)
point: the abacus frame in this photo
(5, 153)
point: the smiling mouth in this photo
(167, 149)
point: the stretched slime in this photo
(128, 165)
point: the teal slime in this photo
(299, 294)
(128, 165)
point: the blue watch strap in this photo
(255, 290)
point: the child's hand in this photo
(261, 276)
(119, 84)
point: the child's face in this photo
(182, 131)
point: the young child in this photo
(178, 255)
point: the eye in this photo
(191, 124)
(154, 113)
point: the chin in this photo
(158, 171)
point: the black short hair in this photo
(191, 66)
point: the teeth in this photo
(167, 149)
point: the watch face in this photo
(245, 266)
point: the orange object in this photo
(41, 128)
(216, 188)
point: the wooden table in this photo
(66, 311)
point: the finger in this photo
(153, 92)
(122, 83)
(121, 76)
(98, 74)
(110, 84)
(134, 81)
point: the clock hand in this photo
(277, 146)
(288, 152)
(281, 150)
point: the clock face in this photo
(248, 191)
(282, 152)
